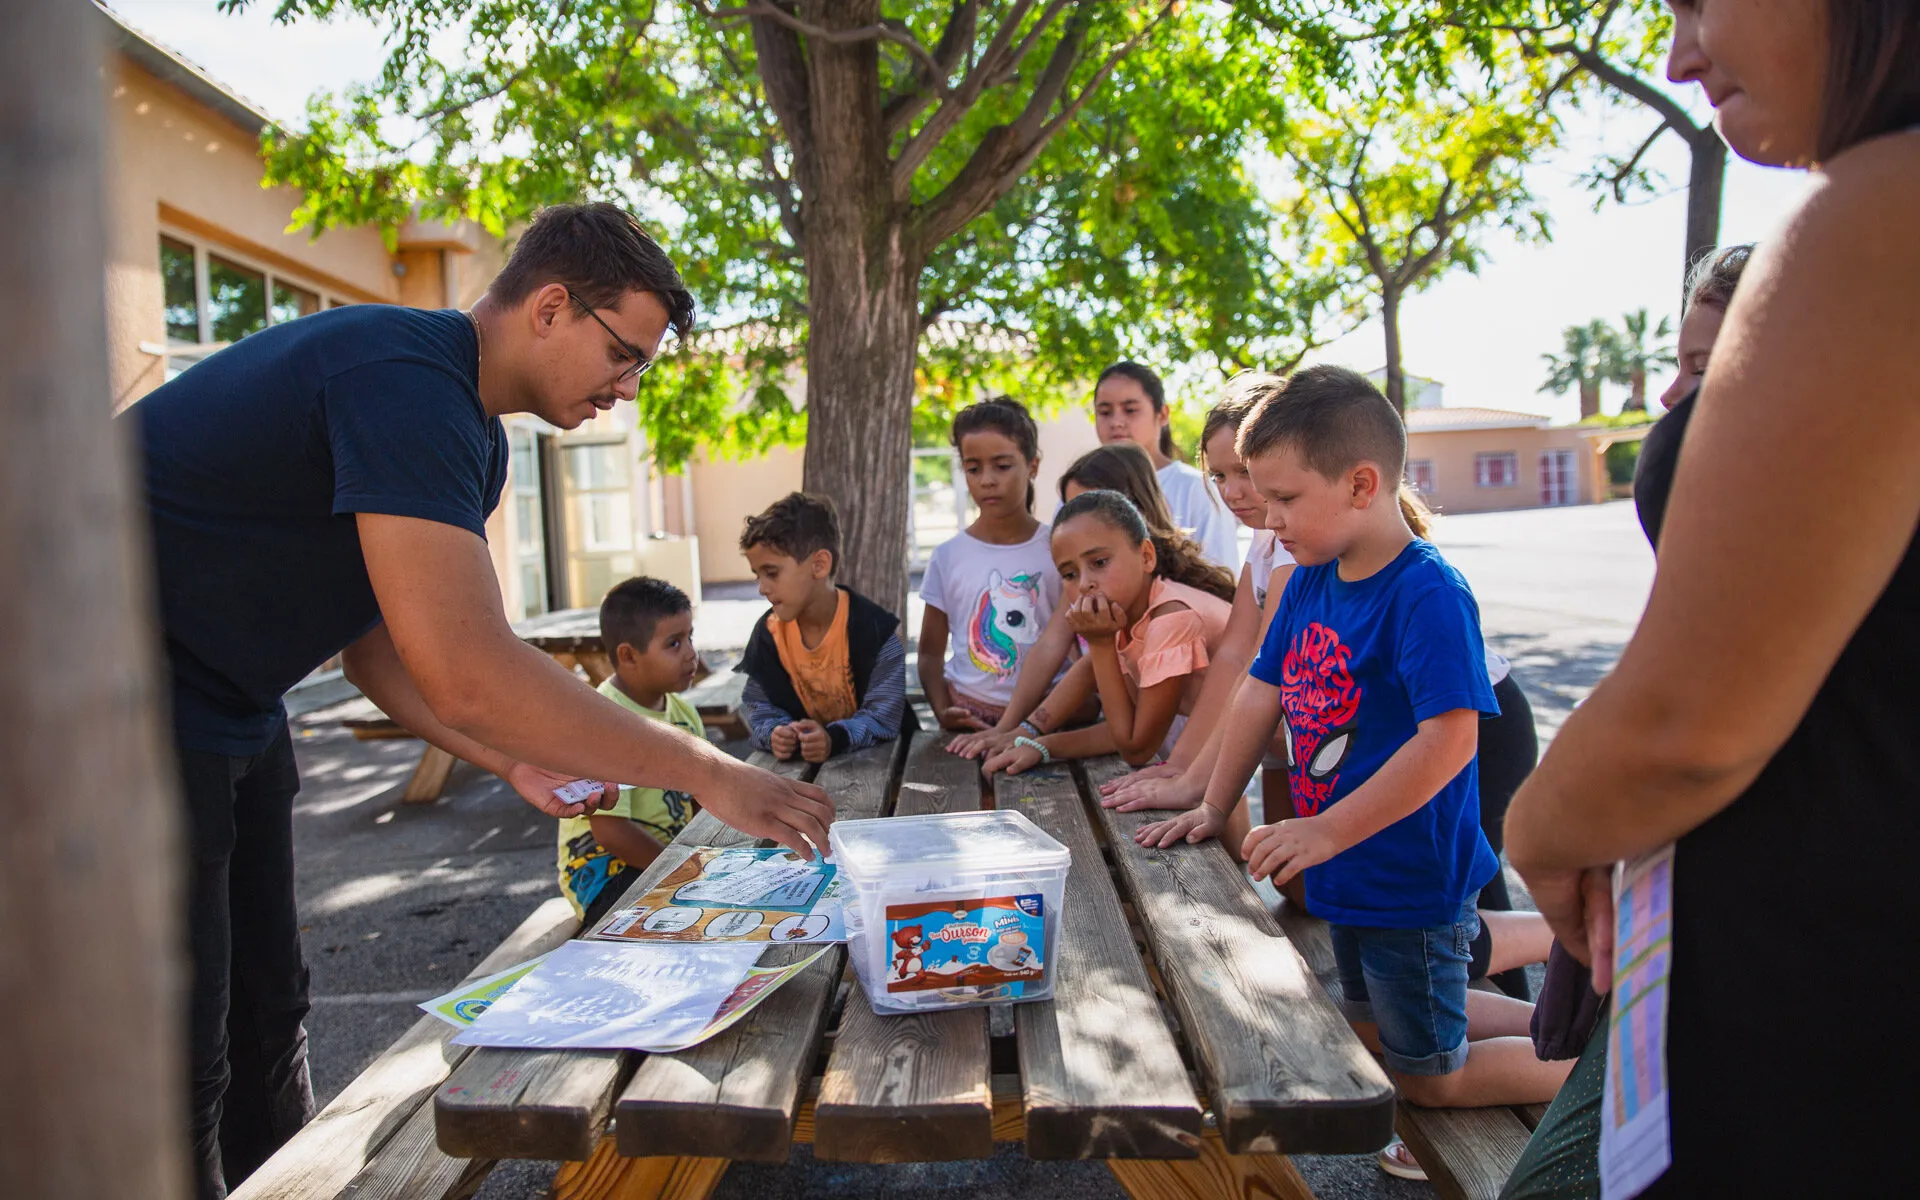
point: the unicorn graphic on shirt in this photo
(1006, 619)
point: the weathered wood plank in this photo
(325, 1156)
(503, 1103)
(912, 1087)
(1213, 1175)
(429, 776)
(1103, 1077)
(1285, 1072)
(411, 1167)
(1467, 1152)
(735, 1096)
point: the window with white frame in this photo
(213, 297)
(1420, 475)
(1498, 469)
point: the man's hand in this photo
(983, 744)
(1285, 848)
(1157, 786)
(784, 741)
(1193, 826)
(1096, 618)
(955, 717)
(766, 805)
(815, 745)
(1578, 905)
(539, 787)
(1012, 760)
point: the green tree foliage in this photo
(1587, 358)
(1638, 350)
(811, 161)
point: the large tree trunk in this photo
(90, 971)
(1637, 398)
(1706, 183)
(1396, 381)
(863, 312)
(1589, 398)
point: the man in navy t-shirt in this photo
(322, 488)
(1375, 673)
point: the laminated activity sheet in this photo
(737, 894)
(658, 997)
(463, 1006)
(1635, 1145)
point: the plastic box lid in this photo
(991, 840)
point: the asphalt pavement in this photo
(399, 901)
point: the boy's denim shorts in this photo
(1412, 983)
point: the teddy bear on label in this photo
(907, 947)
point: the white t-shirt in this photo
(1264, 557)
(1198, 511)
(997, 600)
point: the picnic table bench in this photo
(571, 637)
(1187, 1044)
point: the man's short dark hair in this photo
(1334, 418)
(599, 253)
(633, 609)
(797, 525)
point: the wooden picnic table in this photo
(571, 636)
(1187, 1042)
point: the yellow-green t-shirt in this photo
(586, 865)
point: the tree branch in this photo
(882, 32)
(956, 42)
(783, 71)
(1617, 183)
(1629, 84)
(954, 106)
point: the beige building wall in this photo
(175, 164)
(1453, 454)
(727, 492)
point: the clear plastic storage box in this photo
(951, 909)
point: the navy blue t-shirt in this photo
(1359, 665)
(257, 460)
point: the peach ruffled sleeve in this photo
(1175, 645)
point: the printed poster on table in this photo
(659, 997)
(463, 1006)
(737, 894)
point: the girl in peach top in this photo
(1147, 667)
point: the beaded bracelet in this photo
(1030, 727)
(1045, 755)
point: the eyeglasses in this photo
(641, 362)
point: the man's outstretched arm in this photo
(443, 612)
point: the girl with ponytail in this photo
(1130, 405)
(1149, 637)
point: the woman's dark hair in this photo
(1713, 278)
(1176, 556)
(1007, 417)
(1155, 390)
(1873, 72)
(599, 253)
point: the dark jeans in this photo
(247, 1048)
(1509, 750)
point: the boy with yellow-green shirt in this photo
(647, 627)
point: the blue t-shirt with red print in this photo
(1359, 665)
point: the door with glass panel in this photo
(529, 519)
(1556, 477)
(597, 490)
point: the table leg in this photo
(608, 1176)
(597, 666)
(430, 777)
(1215, 1173)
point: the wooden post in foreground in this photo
(93, 1103)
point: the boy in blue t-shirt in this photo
(1374, 670)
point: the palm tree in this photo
(1636, 352)
(1586, 363)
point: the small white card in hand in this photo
(579, 791)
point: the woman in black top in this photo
(1763, 715)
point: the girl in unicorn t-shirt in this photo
(990, 588)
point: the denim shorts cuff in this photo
(1357, 1011)
(1446, 1062)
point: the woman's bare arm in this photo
(1803, 438)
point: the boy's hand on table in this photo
(955, 717)
(1011, 759)
(1095, 617)
(1194, 825)
(1283, 849)
(815, 745)
(537, 785)
(784, 742)
(763, 804)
